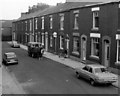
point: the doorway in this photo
(46, 41)
(83, 47)
(106, 53)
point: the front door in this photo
(46, 43)
(107, 54)
(67, 46)
(83, 49)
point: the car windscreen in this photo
(100, 70)
(11, 56)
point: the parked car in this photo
(10, 58)
(96, 74)
(15, 44)
(33, 48)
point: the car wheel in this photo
(92, 82)
(6, 63)
(109, 84)
(77, 74)
(33, 55)
(2, 61)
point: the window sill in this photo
(76, 28)
(61, 48)
(75, 53)
(95, 57)
(117, 63)
(61, 29)
(95, 29)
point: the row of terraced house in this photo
(89, 31)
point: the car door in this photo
(84, 72)
(90, 73)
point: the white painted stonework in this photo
(117, 36)
(95, 35)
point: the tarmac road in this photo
(50, 77)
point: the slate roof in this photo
(59, 8)
(54, 9)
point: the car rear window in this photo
(11, 56)
(100, 70)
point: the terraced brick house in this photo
(89, 31)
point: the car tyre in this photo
(33, 55)
(92, 82)
(109, 84)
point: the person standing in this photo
(65, 53)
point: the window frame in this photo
(26, 25)
(30, 25)
(43, 23)
(74, 51)
(36, 23)
(62, 21)
(93, 48)
(76, 18)
(118, 50)
(61, 42)
(94, 20)
(51, 21)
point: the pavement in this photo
(9, 83)
(68, 62)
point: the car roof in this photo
(14, 41)
(96, 66)
(10, 53)
(34, 43)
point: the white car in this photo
(10, 58)
(15, 44)
(96, 74)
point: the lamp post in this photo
(55, 36)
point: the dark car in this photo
(10, 58)
(14, 44)
(34, 48)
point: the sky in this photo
(12, 9)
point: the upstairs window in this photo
(95, 12)
(22, 25)
(95, 20)
(42, 22)
(26, 25)
(51, 22)
(76, 15)
(61, 21)
(30, 25)
(36, 20)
